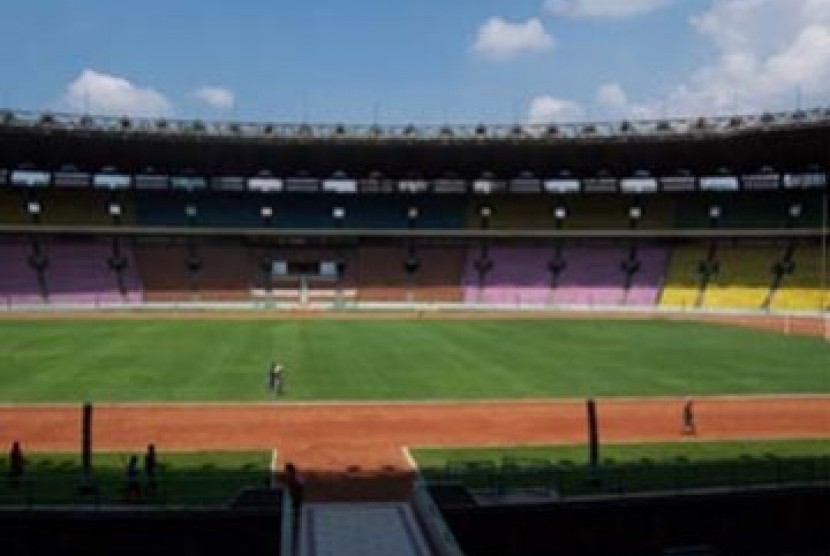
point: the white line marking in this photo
(417, 403)
(274, 468)
(413, 465)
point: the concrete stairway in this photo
(360, 529)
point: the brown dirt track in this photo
(333, 437)
(354, 451)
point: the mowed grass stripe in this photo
(399, 360)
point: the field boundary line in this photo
(407, 456)
(417, 402)
(273, 467)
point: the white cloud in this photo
(547, 109)
(100, 93)
(216, 97)
(603, 8)
(766, 51)
(500, 39)
(612, 95)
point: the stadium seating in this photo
(18, 281)
(768, 211)
(682, 284)
(84, 207)
(295, 211)
(592, 276)
(381, 275)
(602, 212)
(79, 273)
(13, 206)
(163, 273)
(227, 272)
(802, 290)
(744, 277)
(440, 274)
(646, 283)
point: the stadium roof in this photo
(719, 126)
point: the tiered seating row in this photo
(381, 211)
(750, 276)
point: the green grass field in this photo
(629, 467)
(628, 453)
(325, 360)
(203, 478)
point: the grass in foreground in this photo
(630, 467)
(360, 360)
(198, 478)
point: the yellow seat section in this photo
(744, 278)
(802, 290)
(682, 278)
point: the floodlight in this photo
(115, 209)
(33, 207)
(795, 211)
(635, 213)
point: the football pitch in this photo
(194, 360)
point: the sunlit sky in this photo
(399, 61)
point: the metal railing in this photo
(50, 490)
(565, 479)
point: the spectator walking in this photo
(689, 421)
(150, 466)
(16, 464)
(133, 488)
(294, 483)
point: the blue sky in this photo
(424, 61)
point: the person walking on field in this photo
(689, 421)
(276, 378)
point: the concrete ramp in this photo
(365, 529)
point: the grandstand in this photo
(500, 226)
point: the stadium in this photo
(443, 300)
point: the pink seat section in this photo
(77, 273)
(18, 281)
(592, 276)
(80, 273)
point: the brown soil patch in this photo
(335, 438)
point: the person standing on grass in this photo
(272, 376)
(689, 421)
(16, 464)
(279, 379)
(150, 465)
(133, 488)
